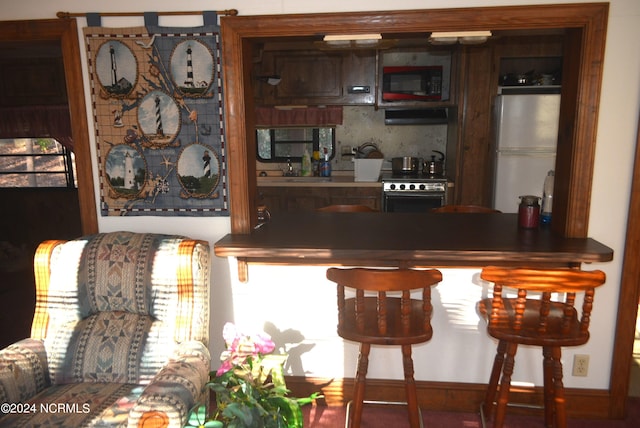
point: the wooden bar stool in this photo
(546, 322)
(374, 316)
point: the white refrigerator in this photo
(527, 133)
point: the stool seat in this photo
(383, 311)
(542, 314)
(562, 328)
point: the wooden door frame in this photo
(585, 25)
(65, 31)
(628, 298)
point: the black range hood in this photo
(425, 116)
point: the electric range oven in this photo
(413, 193)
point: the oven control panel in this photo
(417, 186)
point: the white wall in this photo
(299, 299)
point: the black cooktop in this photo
(389, 176)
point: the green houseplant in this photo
(249, 387)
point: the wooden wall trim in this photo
(79, 126)
(448, 396)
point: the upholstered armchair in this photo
(119, 336)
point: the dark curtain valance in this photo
(37, 122)
(307, 116)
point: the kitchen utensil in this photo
(375, 154)
(364, 151)
(405, 165)
(434, 167)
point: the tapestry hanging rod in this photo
(230, 12)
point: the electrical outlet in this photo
(580, 365)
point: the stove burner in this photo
(412, 176)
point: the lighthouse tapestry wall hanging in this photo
(158, 114)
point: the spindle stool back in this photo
(550, 320)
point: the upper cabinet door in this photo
(315, 77)
(308, 76)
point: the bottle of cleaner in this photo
(305, 169)
(325, 166)
(547, 198)
(315, 163)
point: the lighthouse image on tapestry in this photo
(192, 67)
(116, 68)
(159, 118)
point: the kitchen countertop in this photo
(333, 181)
(336, 180)
(407, 240)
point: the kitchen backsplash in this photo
(364, 124)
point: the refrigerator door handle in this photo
(527, 153)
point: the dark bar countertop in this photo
(407, 240)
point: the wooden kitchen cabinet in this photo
(315, 77)
(306, 199)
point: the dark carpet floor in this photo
(396, 417)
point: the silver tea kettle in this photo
(434, 167)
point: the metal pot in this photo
(405, 165)
(434, 167)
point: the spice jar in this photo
(529, 212)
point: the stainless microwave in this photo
(406, 83)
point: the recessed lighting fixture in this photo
(463, 37)
(354, 41)
(351, 37)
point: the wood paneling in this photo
(473, 178)
(32, 81)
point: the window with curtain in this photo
(36, 148)
(289, 144)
